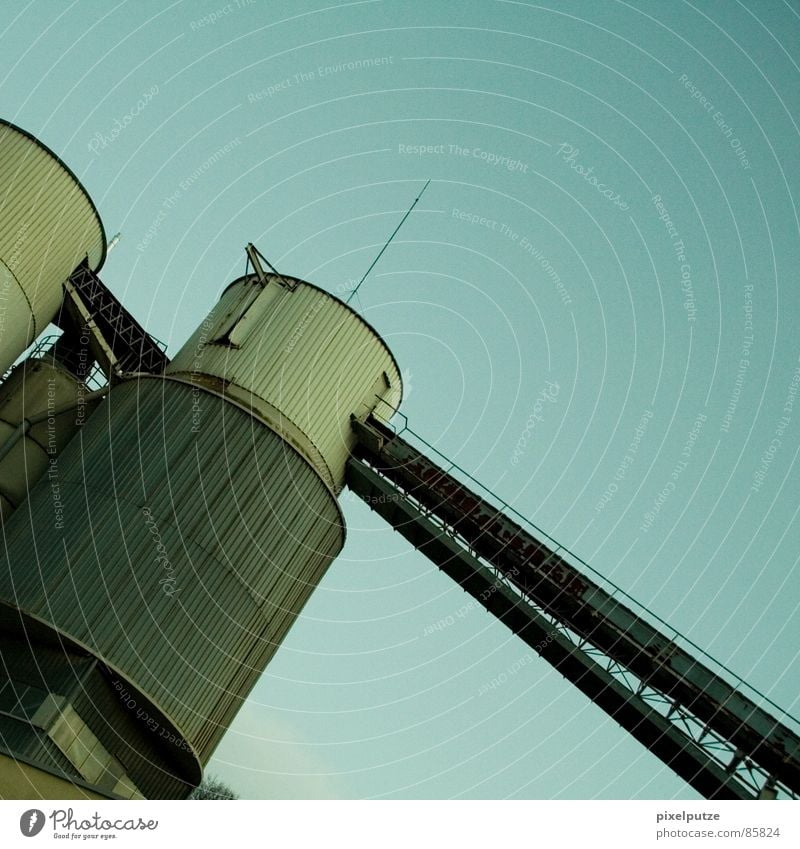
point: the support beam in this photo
(626, 645)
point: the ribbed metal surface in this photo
(22, 740)
(33, 387)
(48, 225)
(302, 358)
(36, 657)
(248, 529)
(150, 765)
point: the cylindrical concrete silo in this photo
(200, 512)
(48, 226)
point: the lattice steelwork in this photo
(706, 729)
(132, 349)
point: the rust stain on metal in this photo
(494, 530)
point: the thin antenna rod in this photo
(253, 255)
(388, 242)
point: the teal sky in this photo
(256, 129)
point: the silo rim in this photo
(338, 301)
(30, 618)
(71, 173)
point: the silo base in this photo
(22, 780)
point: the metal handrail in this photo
(677, 635)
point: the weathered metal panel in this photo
(151, 768)
(23, 741)
(302, 358)
(48, 224)
(34, 387)
(247, 526)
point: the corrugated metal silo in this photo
(50, 402)
(300, 358)
(48, 225)
(201, 512)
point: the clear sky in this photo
(613, 209)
